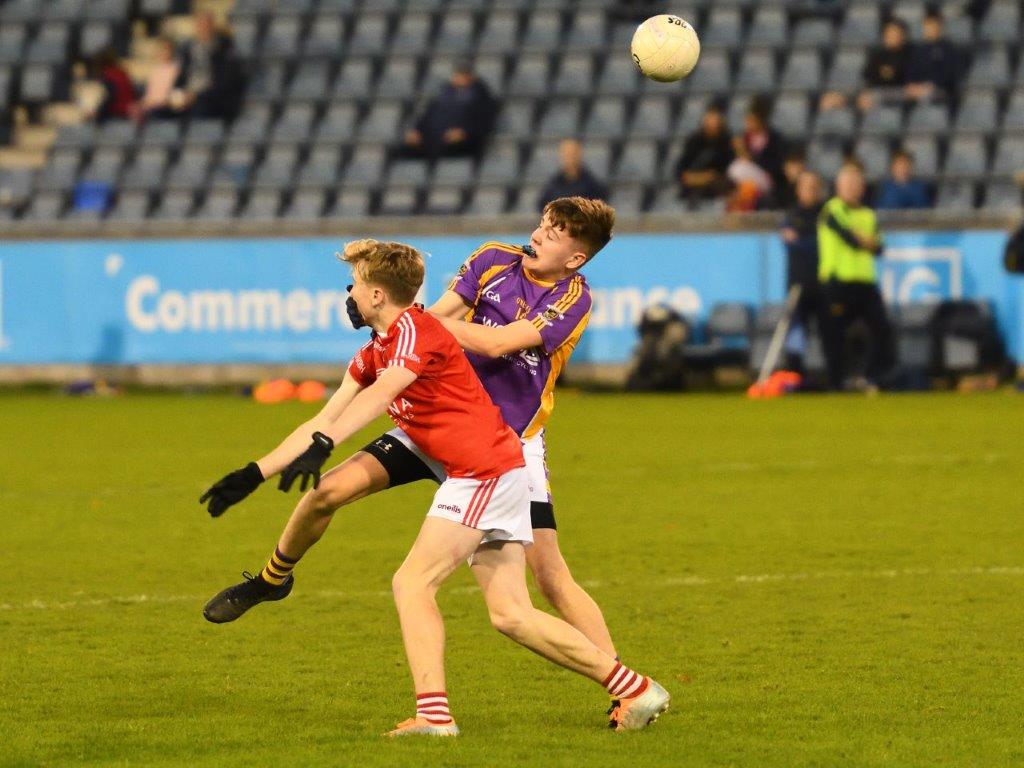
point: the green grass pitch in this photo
(818, 581)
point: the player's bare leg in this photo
(563, 593)
(358, 476)
(440, 547)
(500, 570)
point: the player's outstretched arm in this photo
(450, 305)
(237, 485)
(494, 341)
(364, 408)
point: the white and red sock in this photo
(623, 683)
(433, 707)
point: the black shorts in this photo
(403, 467)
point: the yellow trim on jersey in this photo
(537, 280)
(490, 244)
(563, 305)
(558, 360)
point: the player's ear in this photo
(576, 261)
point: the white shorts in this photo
(534, 452)
(500, 507)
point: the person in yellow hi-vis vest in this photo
(848, 246)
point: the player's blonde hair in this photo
(588, 221)
(396, 267)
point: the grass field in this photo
(818, 581)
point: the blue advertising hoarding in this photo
(282, 300)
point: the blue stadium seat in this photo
(219, 205)
(978, 111)
(108, 10)
(825, 156)
(1001, 23)
(105, 165)
(399, 201)
(162, 133)
(561, 120)
(1002, 196)
(575, 75)
(46, 207)
(365, 167)
(338, 125)
(925, 150)
(207, 132)
(840, 122)
(1013, 117)
(606, 119)
(147, 170)
(723, 28)
(638, 162)
(295, 124)
(382, 122)
(61, 170)
(12, 43)
(453, 171)
(530, 75)
(407, 173)
(991, 69)
(22, 11)
(769, 28)
(456, 33)
(175, 205)
(516, 118)
(306, 205)
(444, 201)
(369, 37)
(712, 74)
(235, 168)
(501, 165)
(321, 168)
(955, 195)
(845, 73)
(351, 204)
(130, 207)
(757, 71)
(885, 119)
(791, 115)
(500, 34)
(326, 37)
(928, 117)
(802, 71)
(652, 117)
(412, 38)
(398, 79)
(278, 168)
(543, 31)
(1009, 156)
(354, 80)
(263, 205)
(813, 32)
(192, 168)
(589, 30)
(966, 156)
(487, 201)
(253, 125)
(542, 164)
(620, 77)
(51, 45)
(861, 25)
(281, 40)
(873, 152)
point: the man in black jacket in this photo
(706, 156)
(456, 122)
(935, 63)
(573, 179)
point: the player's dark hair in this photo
(396, 267)
(588, 221)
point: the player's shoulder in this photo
(494, 252)
(577, 289)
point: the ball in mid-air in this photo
(665, 47)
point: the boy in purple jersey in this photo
(527, 308)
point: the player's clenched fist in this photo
(231, 489)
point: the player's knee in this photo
(509, 620)
(325, 500)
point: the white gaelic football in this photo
(666, 48)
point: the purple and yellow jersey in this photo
(500, 291)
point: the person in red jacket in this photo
(119, 91)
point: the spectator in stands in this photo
(456, 122)
(573, 178)
(159, 98)
(765, 146)
(118, 100)
(212, 75)
(885, 72)
(848, 245)
(785, 196)
(707, 154)
(935, 64)
(901, 189)
(800, 234)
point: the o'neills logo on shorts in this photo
(450, 508)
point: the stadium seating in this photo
(333, 83)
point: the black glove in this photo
(232, 488)
(307, 465)
(353, 311)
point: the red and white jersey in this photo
(446, 410)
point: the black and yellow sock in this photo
(278, 568)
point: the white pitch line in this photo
(673, 581)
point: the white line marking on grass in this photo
(921, 460)
(672, 581)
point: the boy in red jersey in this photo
(415, 370)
